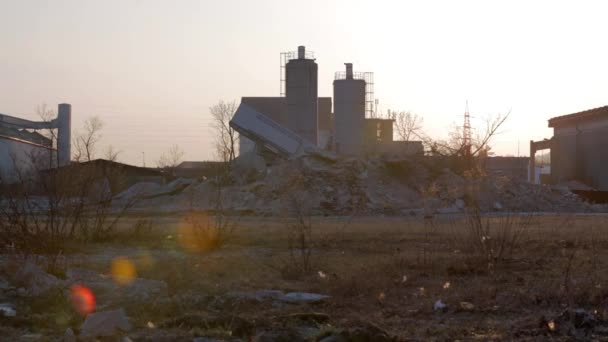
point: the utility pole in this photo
(466, 134)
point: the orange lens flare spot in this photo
(123, 271)
(82, 299)
(195, 233)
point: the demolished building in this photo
(576, 149)
(299, 119)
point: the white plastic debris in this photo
(440, 306)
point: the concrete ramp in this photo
(268, 133)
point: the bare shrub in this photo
(44, 209)
(493, 239)
(203, 233)
(298, 227)
(299, 244)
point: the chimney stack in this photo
(301, 52)
(349, 71)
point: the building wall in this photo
(512, 167)
(22, 157)
(325, 132)
(378, 130)
(396, 149)
(577, 153)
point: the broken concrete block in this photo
(105, 324)
(466, 306)
(35, 281)
(69, 335)
(303, 297)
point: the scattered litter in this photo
(440, 306)
(466, 306)
(8, 310)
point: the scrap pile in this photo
(325, 185)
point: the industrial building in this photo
(576, 149)
(300, 120)
(23, 148)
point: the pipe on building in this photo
(64, 135)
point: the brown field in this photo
(522, 278)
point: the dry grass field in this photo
(470, 277)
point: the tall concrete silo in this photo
(349, 111)
(302, 96)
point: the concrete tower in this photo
(302, 96)
(349, 111)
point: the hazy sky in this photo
(151, 69)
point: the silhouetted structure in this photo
(577, 148)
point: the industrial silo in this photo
(301, 96)
(349, 111)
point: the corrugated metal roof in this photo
(600, 112)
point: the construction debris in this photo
(327, 185)
(105, 324)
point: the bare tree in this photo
(47, 115)
(455, 145)
(86, 142)
(408, 126)
(226, 137)
(170, 159)
(111, 153)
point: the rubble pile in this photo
(325, 185)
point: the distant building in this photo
(511, 167)
(197, 169)
(23, 149)
(276, 109)
(577, 148)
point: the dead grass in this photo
(389, 272)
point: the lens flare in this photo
(195, 234)
(123, 271)
(145, 260)
(82, 299)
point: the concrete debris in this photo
(105, 324)
(303, 297)
(205, 339)
(328, 185)
(107, 291)
(280, 296)
(466, 306)
(8, 310)
(69, 335)
(34, 281)
(141, 189)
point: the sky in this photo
(151, 69)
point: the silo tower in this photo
(349, 111)
(302, 96)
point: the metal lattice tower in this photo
(466, 131)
